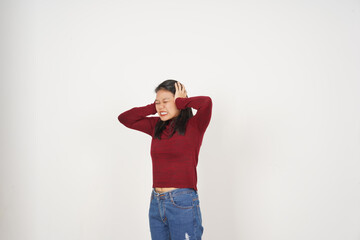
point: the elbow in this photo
(121, 118)
(124, 120)
(209, 101)
(209, 104)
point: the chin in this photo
(165, 118)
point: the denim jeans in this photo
(175, 215)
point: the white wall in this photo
(279, 160)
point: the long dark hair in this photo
(180, 121)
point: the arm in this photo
(136, 119)
(203, 105)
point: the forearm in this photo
(136, 114)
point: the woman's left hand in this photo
(180, 90)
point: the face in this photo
(165, 103)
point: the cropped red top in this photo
(174, 160)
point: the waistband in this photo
(169, 194)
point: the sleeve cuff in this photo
(152, 107)
(180, 102)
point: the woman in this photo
(177, 135)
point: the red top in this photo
(174, 160)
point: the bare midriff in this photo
(161, 190)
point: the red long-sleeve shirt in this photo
(174, 160)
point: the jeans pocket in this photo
(183, 200)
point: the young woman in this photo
(177, 135)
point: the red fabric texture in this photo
(174, 160)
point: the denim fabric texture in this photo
(175, 215)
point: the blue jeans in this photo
(175, 215)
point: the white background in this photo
(280, 159)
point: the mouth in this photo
(163, 113)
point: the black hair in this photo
(178, 122)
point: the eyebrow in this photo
(164, 98)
